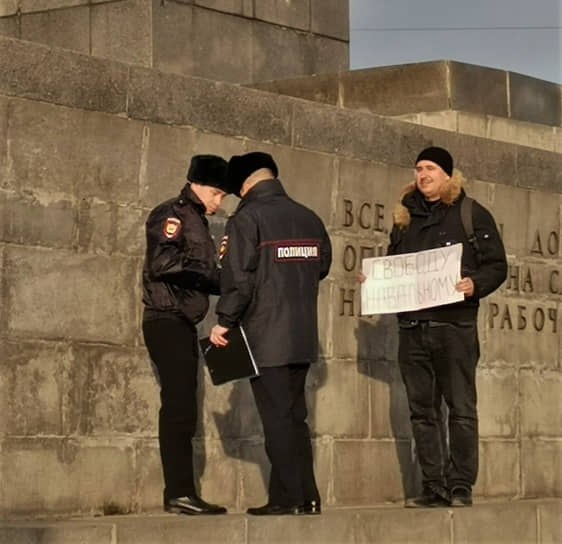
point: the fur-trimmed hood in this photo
(450, 192)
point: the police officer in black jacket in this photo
(438, 346)
(274, 254)
(180, 272)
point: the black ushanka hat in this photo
(209, 170)
(241, 167)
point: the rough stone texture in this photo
(67, 28)
(526, 134)
(114, 392)
(322, 88)
(36, 305)
(166, 99)
(497, 402)
(75, 368)
(33, 387)
(290, 14)
(269, 42)
(539, 169)
(148, 476)
(446, 120)
(390, 416)
(541, 403)
(9, 7)
(37, 532)
(40, 73)
(395, 90)
(177, 528)
(478, 89)
(9, 26)
(380, 472)
(184, 35)
(29, 6)
(331, 18)
(26, 220)
(540, 468)
(121, 31)
(550, 516)
(58, 471)
(347, 381)
(498, 471)
(513, 338)
(217, 473)
(238, 7)
(534, 100)
(496, 523)
(302, 529)
(423, 527)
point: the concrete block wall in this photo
(82, 160)
(228, 40)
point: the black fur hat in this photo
(209, 170)
(242, 166)
(439, 156)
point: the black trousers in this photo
(280, 398)
(172, 346)
(438, 361)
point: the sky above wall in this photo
(523, 36)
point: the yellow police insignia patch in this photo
(222, 248)
(171, 228)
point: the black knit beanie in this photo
(439, 156)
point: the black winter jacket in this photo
(277, 251)
(435, 224)
(180, 269)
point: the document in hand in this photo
(231, 362)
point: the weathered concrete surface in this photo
(525, 522)
(84, 157)
(195, 38)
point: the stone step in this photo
(516, 522)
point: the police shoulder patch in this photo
(172, 227)
(222, 248)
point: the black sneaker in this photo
(432, 497)
(461, 496)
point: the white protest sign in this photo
(411, 281)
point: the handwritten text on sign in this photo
(411, 281)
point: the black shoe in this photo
(432, 497)
(276, 510)
(312, 507)
(461, 496)
(193, 506)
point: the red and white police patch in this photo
(222, 248)
(171, 228)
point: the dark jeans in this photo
(438, 361)
(172, 346)
(280, 398)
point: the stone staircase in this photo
(516, 522)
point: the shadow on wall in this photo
(377, 345)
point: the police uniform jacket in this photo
(180, 269)
(435, 224)
(274, 253)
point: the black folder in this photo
(232, 362)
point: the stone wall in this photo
(88, 146)
(226, 40)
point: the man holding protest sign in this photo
(438, 345)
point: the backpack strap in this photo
(466, 218)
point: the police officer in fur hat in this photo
(438, 346)
(274, 254)
(180, 271)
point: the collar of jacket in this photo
(418, 205)
(188, 196)
(263, 189)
